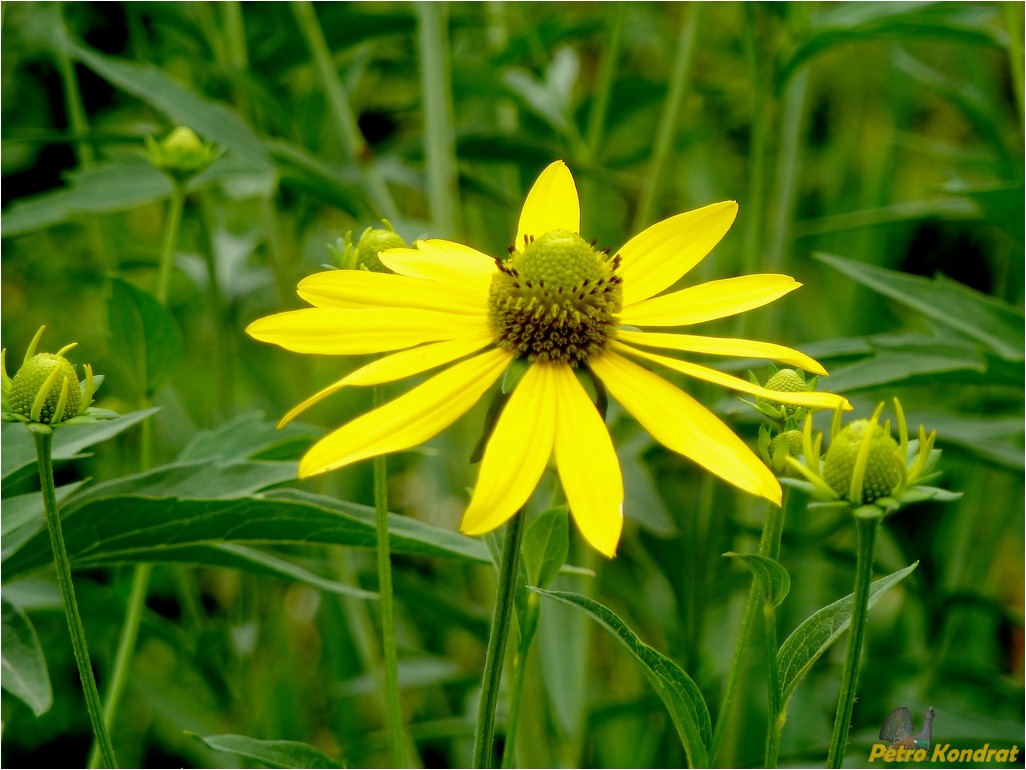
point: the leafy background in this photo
(876, 151)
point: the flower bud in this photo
(884, 466)
(787, 381)
(364, 255)
(48, 379)
(181, 154)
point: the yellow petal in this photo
(410, 419)
(815, 399)
(405, 363)
(345, 332)
(708, 301)
(588, 466)
(363, 288)
(445, 262)
(723, 346)
(517, 452)
(552, 204)
(682, 424)
(657, 257)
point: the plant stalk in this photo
(393, 705)
(505, 593)
(866, 527)
(167, 254)
(527, 633)
(44, 454)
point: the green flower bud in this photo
(884, 468)
(364, 255)
(787, 381)
(49, 379)
(181, 154)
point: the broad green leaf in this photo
(850, 23)
(211, 120)
(984, 319)
(679, 692)
(143, 335)
(23, 516)
(288, 754)
(24, 665)
(821, 629)
(19, 451)
(114, 530)
(773, 579)
(546, 544)
(907, 358)
(995, 438)
(242, 437)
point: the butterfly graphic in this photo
(897, 729)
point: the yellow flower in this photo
(563, 307)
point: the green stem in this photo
(353, 143)
(393, 707)
(439, 148)
(659, 164)
(610, 64)
(866, 527)
(44, 447)
(1014, 22)
(505, 592)
(527, 633)
(774, 725)
(167, 254)
(769, 546)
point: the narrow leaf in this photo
(679, 692)
(978, 316)
(773, 579)
(143, 334)
(24, 666)
(287, 754)
(821, 629)
(546, 544)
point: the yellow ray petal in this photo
(363, 288)
(815, 399)
(682, 424)
(410, 419)
(552, 204)
(723, 346)
(517, 452)
(708, 301)
(588, 466)
(657, 257)
(405, 363)
(445, 262)
(343, 332)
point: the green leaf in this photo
(773, 579)
(821, 629)
(24, 665)
(679, 692)
(978, 316)
(858, 22)
(19, 451)
(23, 516)
(546, 544)
(288, 754)
(902, 358)
(213, 121)
(241, 437)
(143, 334)
(124, 529)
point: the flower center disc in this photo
(555, 300)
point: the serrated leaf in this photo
(287, 754)
(774, 581)
(814, 636)
(24, 666)
(546, 544)
(19, 451)
(143, 335)
(116, 530)
(978, 316)
(678, 691)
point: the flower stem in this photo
(527, 633)
(769, 546)
(865, 526)
(393, 706)
(505, 592)
(44, 454)
(167, 254)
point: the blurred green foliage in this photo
(876, 151)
